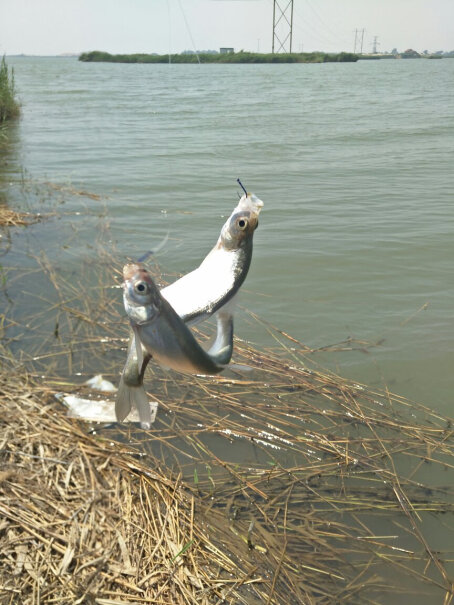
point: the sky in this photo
(53, 27)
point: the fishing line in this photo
(189, 30)
(149, 253)
(170, 30)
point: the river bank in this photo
(87, 520)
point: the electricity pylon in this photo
(359, 39)
(375, 44)
(282, 26)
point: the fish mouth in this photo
(249, 203)
(136, 270)
(134, 273)
(130, 270)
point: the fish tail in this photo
(123, 401)
(132, 397)
(140, 400)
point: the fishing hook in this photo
(241, 185)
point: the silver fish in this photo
(131, 393)
(201, 292)
(196, 296)
(159, 329)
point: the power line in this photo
(189, 31)
(312, 25)
(327, 29)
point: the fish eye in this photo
(141, 287)
(242, 223)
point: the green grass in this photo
(239, 57)
(9, 107)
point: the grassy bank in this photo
(9, 107)
(239, 57)
(85, 522)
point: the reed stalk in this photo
(9, 106)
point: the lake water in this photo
(353, 162)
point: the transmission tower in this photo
(359, 39)
(282, 26)
(375, 44)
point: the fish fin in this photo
(222, 348)
(143, 407)
(123, 401)
(130, 397)
(146, 359)
(138, 345)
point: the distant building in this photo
(225, 50)
(199, 52)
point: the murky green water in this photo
(353, 161)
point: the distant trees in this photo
(215, 57)
(410, 54)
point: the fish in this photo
(200, 293)
(160, 330)
(196, 296)
(131, 393)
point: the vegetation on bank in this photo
(9, 107)
(407, 54)
(239, 57)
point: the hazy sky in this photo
(72, 26)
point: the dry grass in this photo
(84, 521)
(177, 516)
(12, 218)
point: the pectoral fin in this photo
(222, 348)
(138, 346)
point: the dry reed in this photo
(84, 521)
(13, 218)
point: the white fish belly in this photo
(203, 288)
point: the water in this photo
(353, 161)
